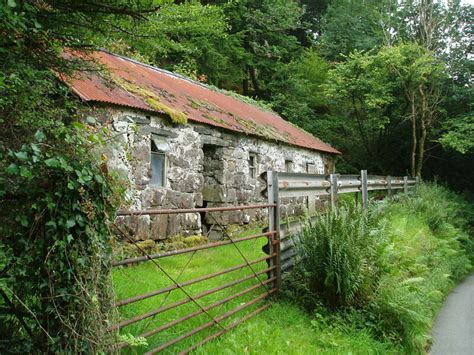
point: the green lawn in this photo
(146, 277)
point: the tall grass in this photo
(388, 269)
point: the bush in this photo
(55, 280)
(388, 269)
(338, 256)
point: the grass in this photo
(423, 246)
(146, 277)
(286, 329)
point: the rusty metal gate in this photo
(200, 307)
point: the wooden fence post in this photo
(389, 185)
(405, 184)
(364, 188)
(333, 182)
(274, 224)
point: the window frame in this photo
(253, 169)
(154, 151)
(289, 165)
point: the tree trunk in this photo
(421, 149)
(256, 86)
(413, 133)
(245, 86)
(423, 128)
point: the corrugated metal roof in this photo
(130, 83)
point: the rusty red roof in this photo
(134, 84)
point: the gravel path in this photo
(453, 332)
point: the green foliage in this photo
(460, 133)
(392, 283)
(373, 97)
(56, 243)
(297, 88)
(181, 37)
(338, 254)
(350, 26)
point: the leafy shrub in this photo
(55, 279)
(390, 267)
(338, 256)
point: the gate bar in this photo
(189, 282)
(188, 250)
(196, 313)
(181, 302)
(192, 210)
(210, 324)
(229, 327)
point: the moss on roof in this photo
(151, 99)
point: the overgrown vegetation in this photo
(56, 194)
(388, 269)
(348, 79)
(55, 272)
(390, 87)
(339, 254)
(367, 282)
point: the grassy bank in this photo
(391, 269)
(387, 270)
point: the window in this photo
(289, 166)
(310, 168)
(253, 165)
(158, 162)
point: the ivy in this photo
(55, 255)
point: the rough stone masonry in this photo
(201, 166)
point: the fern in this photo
(338, 253)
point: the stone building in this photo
(185, 145)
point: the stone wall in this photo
(206, 167)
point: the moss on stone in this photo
(182, 242)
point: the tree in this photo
(377, 94)
(297, 89)
(421, 76)
(365, 112)
(188, 38)
(55, 257)
(350, 25)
